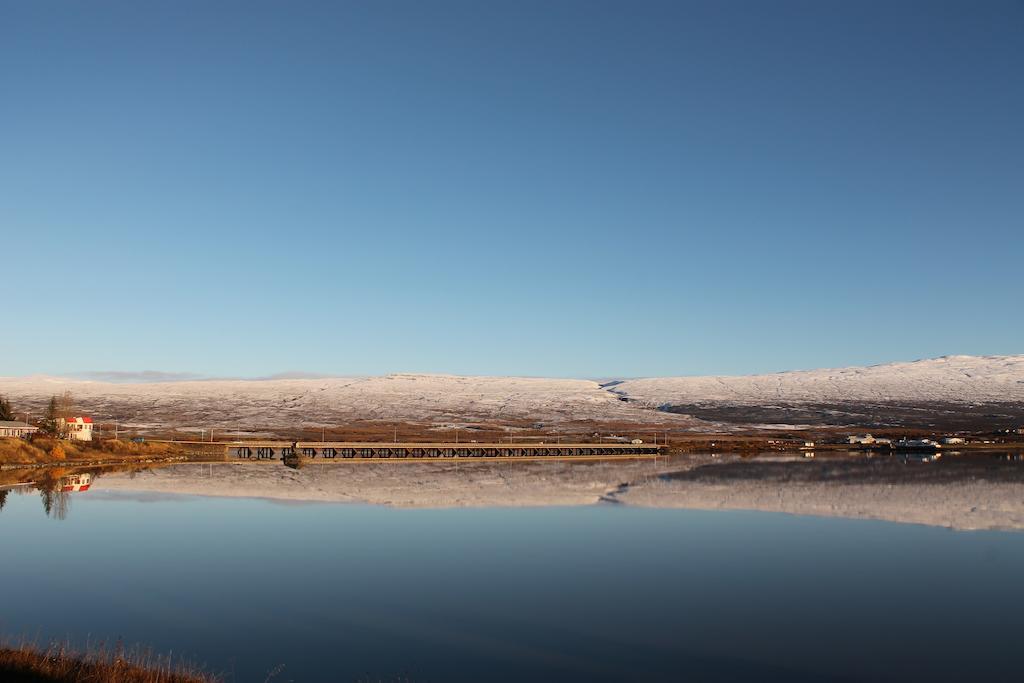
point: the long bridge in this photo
(330, 450)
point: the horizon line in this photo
(165, 377)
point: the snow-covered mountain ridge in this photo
(950, 379)
(277, 403)
(954, 382)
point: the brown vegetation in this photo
(26, 664)
(42, 449)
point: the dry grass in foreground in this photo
(27, 664)
(43, 449)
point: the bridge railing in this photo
(277, 450)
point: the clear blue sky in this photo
(544, 188)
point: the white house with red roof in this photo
(75, 428)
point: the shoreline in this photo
(169, 450)
(79, 464)
(56, 663)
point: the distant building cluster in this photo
(867, 440)
(71, 428)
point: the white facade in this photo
(13, 428)
(75, 428)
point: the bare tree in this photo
(55, 502)
(58, 411)
(61, 504)
(66, 405)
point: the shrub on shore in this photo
(27, 664)
(42, 449)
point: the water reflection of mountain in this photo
(966, 492)
(969, 492)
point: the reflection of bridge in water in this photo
(327, 450)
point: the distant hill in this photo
(952, 390)
(948, 392)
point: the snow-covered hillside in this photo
(277, 403)
(950, 379)
(955, 383)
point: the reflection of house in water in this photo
(75, 482)
(54, 486)
(55, 489)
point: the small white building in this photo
(951, 440)
(861, 440)
(75, 428)
(15, 429)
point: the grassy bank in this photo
(26, 664)
(48, 450)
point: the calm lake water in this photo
(344, 592)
